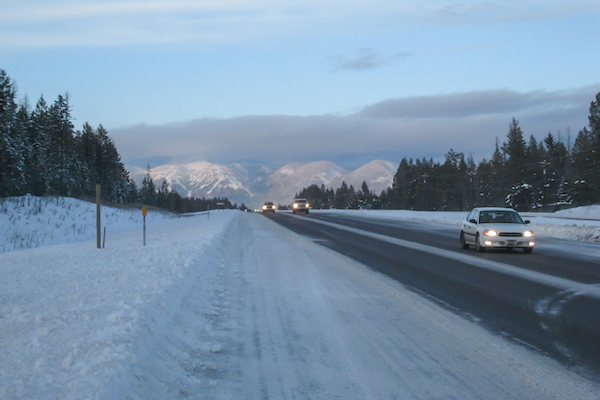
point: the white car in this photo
(269, 207)
(493, 228)
(300, 205)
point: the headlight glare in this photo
(528, 234)
(490, 233)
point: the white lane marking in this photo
(590, 290)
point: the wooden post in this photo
(98, 221)
(144, 212)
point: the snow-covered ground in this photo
(28, 222)
(232, 306)
(581, 223)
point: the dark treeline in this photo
(524, 175)
(42, 154)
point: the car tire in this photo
(462, 241)
(307, 211)
(294, 211)
(528, 250)
(478, 245)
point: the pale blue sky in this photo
(243, 81)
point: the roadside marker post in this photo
(98, 218)
(144, 212)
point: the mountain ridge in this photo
(254, 185)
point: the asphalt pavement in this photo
(547, 301)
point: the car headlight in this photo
(490, 233)
(528, 233)
(307, 205)
(264, 207)
(295, 205)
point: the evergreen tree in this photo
(148, 191)
(401, 193)
(344, 196)
(11, 163)
(487, 191)
(520, 196)
(586, 159)
(554, 172)
(453, 181)
(38, 139)
(61, 132)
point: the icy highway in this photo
(548, 301)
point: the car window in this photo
(486, 217)
(499, 217)
(513, 218)
(471, 215)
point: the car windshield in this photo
(499, 217)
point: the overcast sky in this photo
(275, 82)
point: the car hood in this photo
(505, 227)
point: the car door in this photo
(469, 228)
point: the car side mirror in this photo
(527, 221)
(472, 221)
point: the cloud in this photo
(114, 23)
(366, 58)
(413, 127)
(61, 23)
(450, 12)
(479, 103)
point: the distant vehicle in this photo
(300, 205)
(493, 228)
(268, 207)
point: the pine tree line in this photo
(42, 154)
(523, 175)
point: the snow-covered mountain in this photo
(254, 185)
(377, 174)
(205, 179)
(292, 178)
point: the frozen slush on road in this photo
(230, 307)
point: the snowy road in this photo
(546, 300)
(238, 307)
(307, 323)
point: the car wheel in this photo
(462, 241)
(307, 211)
(294, 211)
(528, 250)
(478, 245)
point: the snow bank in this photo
(582, 223)
(72, 316)
(29, 222)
